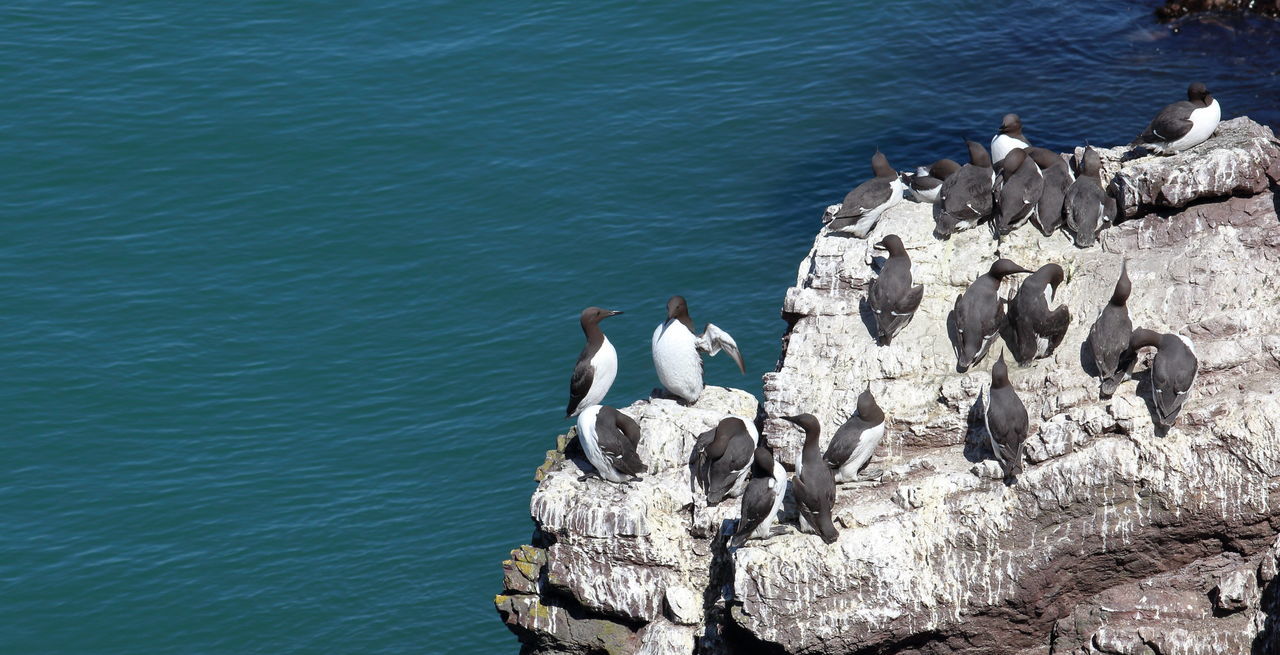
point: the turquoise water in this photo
(291, 289)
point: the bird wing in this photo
(864, 198)
(1170, 124)
(844, 443)
(713, 340)
(757, 502)
(1055, 326)
(580, 384)
(698, 460)
(616, 446)
(726, 470)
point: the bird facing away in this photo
(1037, 329)
(677, 351)
(1006, 419)
(597, 364)
(814, 486)
(1017, 191)
(1183, 124)
(965, 198)
(1172, 373)
(1008, 139)
(926, 183)
(979, 314)
(892, 298)
(721, 464)
(1057, 178)
(855, 442)
(762, 500)
(1109, 338)
(1088, 207)
(863, 205)
(610, 438)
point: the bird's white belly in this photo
(677, 360)
(927, 195)
(1203, 122)
(866, 448)
(591, 446)
(605, 365)
(1002, 145)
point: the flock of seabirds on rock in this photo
(1026, 183)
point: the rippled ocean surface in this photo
(291, 289)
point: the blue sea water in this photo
(291, 289)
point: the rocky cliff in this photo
(1116, 539)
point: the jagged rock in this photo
(626, 554)
(1242, 157)
(1115, 539)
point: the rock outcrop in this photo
(1117, 537)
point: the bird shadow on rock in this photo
(868, 318)
(877, 263)
(1086, 358)
(977, 445)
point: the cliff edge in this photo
(1116, 539)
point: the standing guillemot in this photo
(1057, 178)
(1183, 124)
(892, 299)
(1006, 420)
(965, 197)
(863, 206)
(926, 182)
(1017, 192)
(597, 364)
(677, 352)
(1037, 331)
(609, 438)
(1172, 373)
(814, 486)
(1008, 139)
(721, 467)
(762, 500)
(1109, 338)
(1088, 207)
(855, 442)
(979, 314)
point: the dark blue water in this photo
(290, 289)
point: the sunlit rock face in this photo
(1117, 537)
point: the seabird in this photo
(814, 486)
(1183, 124)
(892, 299)
(1037, 330)
(979, 314)
(597, 364)
(863, 206)
(855, 442)
(721, 465)
(762, 500)
(677, 351)
(1006, 419)
(1172, 373)
(1017, 192)
(1088, 207)
(1057, 178)
(965, 197)
(1008, 139)
(609, 438)
(927, 181)
(1109, 338)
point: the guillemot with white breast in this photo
(677, 351)
(1172, 372)
(1183, 124)
(1008, 139)
(863, 205)
(762, 500)
(609, 439)
(979, 314)
(856, 441)
(597, 363)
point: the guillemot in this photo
(965, 197)
(979, 314)
(892, 298)
(721, 465)
(1008, 139)
(1088, 207)
(609, 438)
(1057, 178)
(1109, 338)
(855, 442)
(1037, 329)
(597, 364)
(926, 183)
(677, 351)
(762, 500)
(814, 486)
(1017, 192)
(1172, 373)
(1006, 420)
(863, 205)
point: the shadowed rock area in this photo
(1116, 539)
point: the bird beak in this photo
(791, 419)
(615, 312)
(879, 246)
